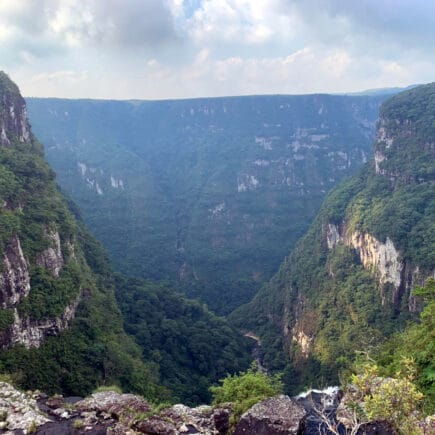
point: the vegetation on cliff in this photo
(346, 286)
(178, 347)
(210, 194)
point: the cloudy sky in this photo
(154, 49)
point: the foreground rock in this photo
(102, 413)
(275, 416)
(180, 419)
(19, 411)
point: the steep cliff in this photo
(210, 193)
(347, 284)
(60, 328)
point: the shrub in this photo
(245, 390)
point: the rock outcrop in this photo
(31, 333)
(52, 257)
(13, 114)
(14, 274)
(383, 259)
(30, 238)
(279, 415)
(105, 412)
(19, 411)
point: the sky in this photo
(160, 49)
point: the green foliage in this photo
(191, 347)
(416, 342)
(114, 388)
(393, 399)
(178, 215)
(50, 295)
(245, 390)
(94, 350)
(325, 292)
(6, 318)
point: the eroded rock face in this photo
(13, 118)
(122, 407)
(52, 258)
(14, 275)
(383, 259)
(31, 333)
(275, 416)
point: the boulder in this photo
(180, 419)
(121, 407)
(377, 428)
(155, 426)
(275, 416)
(113, 403)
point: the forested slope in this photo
(347, 285)
(209, 193)
(61, 329)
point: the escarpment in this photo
(13, 114)
(61, 327)
(32, 220)
(348, 283)
(55, 284)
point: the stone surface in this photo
(156, 426)
(14, 275)
(31, 333)
(123, 407)
(19, 411)
(52, 258)
(13, 116)
(275, 416)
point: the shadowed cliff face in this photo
(210, 193)
(347, 285)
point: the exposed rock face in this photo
(14, 275)
(13, 116)
(275, 416)
(31, 333)
(125, 407)
(383, 259)
(52, 258)
(332, 235)
(304, 340)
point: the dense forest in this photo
(53, 266)
(210, 194)
(347, 284)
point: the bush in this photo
(393, 399)
(245, 390)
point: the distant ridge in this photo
(381, 91)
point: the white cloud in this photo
(60, 77)
(183, 48)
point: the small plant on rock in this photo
(245, 390)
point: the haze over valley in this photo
(217, 217)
